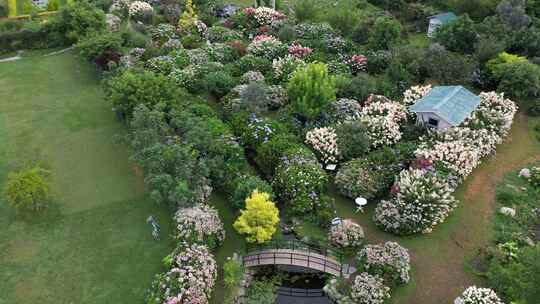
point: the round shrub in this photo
(244, 186)
(269, 154)
(346, 234)
(219, 83)
(252, 63)
(352, 139)
(28, 189)
(477, 295)
(200, 224)
(389, 261)
(356, 178)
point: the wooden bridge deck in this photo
(295, 258)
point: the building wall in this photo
(434, 24)
(423, 118)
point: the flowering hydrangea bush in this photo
(252, 76)
(495, 113)
(199, 224)
(267, 47)
(140, 9)
(277, 96)
(133, 56)
(191, 277)
(346, 109)
(161, 64)
(358, 63)
(346, 234)
(389, 261)
(382, 119)
(113, 22)
(422, 200)
(284, 67)
(365, 289)
(263, 15)
(162, 33)
(415, 93)
(324, 142)
(300, 180)
(477, 295)
(298, 51)
(356, 178)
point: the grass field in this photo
(93, 245)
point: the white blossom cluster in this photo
(382, 119)
(346, 234)
(389, 260)
(477, 295)
(190, 280)
(365, 289)
(284, 67)
(423, 200)
(199, 224)
(415, 93)
(346, 109)
(252, 76)
(324, 142)
(139, 8)
(266, 46)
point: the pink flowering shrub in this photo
(358, 63)
(324, 142)
(476, 295)
(267, 47)
(298, 51)
(382, 119)
(190, 280)
(390, 261)
(346, 234)
(422, 200)
(200, 224)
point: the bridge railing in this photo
(296, 245)
(300, 292)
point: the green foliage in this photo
(28, 189)
(79, 19)
(311, 90)
(269, 154)
(358, 87)
(132, 88)
(233, 273)
(386, 32)
(259, 220)
(53, 5)
(305, 10)
(458, 36)
(105, 46)
(261, 292)
(478, 9)
(520, 80)
(219, 83)
(244, 185)
(353, 140)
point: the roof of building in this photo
(452, 103)
(444, 17)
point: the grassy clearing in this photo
(93, 245)
(439, 259)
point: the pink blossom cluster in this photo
(382, 119)
(298, 51)
(199, 224)
(324, 142)
(357, 63)
(477, 295)
(346, 234)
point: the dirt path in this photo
(439, 260)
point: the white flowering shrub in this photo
(346, 109)
(160, 64)
(355, 178)
(263, 16)
(415, 93)
(324, 142)
(346, 234)
(495, 113)
(140, 9)
(113, 22)
(252, 76)
(422, 201)
(382, 119)
(191, 277)
(477, 295)
(277, 96)
(199, 224)
(365, 289)
(267, 47)
(389, 261)
(284, 67)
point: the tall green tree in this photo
(386, 32)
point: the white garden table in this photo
(360, 204)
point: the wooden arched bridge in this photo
(297, 253)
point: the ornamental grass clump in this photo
(200, 224)
(190, 279)
(346, 234)
(389, 261)
(477, 295)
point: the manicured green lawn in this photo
(93, 245)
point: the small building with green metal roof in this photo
(439, 20)
(445, 106)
